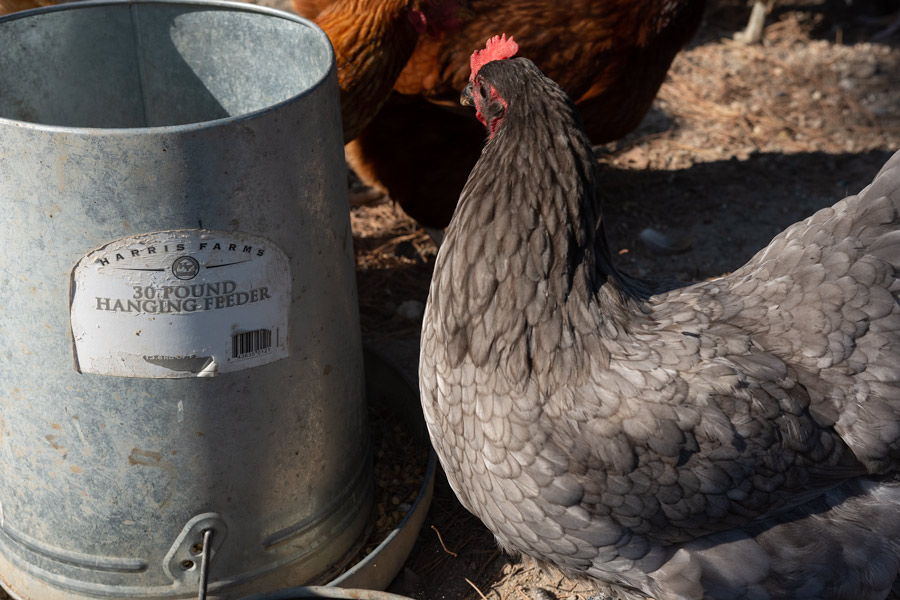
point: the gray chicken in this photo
(736, 438)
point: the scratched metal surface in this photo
(119, 119)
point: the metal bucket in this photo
(178, 313)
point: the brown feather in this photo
(11, 6)
(372, 41)
(610, 56)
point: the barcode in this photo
(251, 343)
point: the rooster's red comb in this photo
(498, 47)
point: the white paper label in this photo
(180, 303)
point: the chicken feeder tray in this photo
(314, 592)
(388, 388)
(181, 351)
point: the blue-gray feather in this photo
(736, 438)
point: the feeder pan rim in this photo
(312, 592)
(386, 544)
(186, 127)
(335, 588)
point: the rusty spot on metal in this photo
(140, 457)
(147, 458)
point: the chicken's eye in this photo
(483, 91)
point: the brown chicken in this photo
(609, 55)
(373, 40)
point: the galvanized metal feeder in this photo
(181, 379)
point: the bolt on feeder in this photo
(181, 358)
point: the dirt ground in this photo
(742, 141)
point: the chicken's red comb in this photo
(498, 47)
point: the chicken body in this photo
(372, 40)
(611, 56)
(736, 438)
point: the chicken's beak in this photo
(465, 98)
